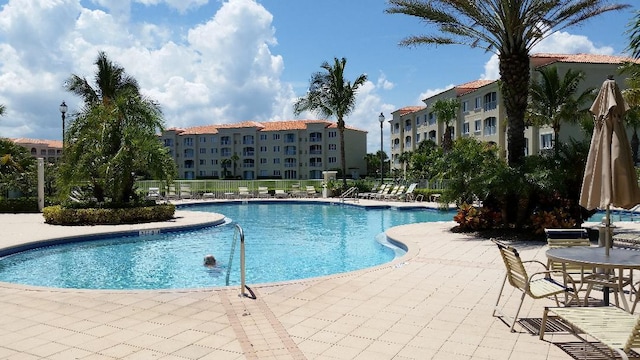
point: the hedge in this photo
(58, 215)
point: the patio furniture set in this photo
(575, 267)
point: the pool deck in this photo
(433, 303)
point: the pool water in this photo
(284, 241)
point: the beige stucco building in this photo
(296, 149)
(50, 150)
(482, 114)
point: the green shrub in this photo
(58, 215)
(19, 205)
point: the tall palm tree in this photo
(234, 159)
(446, 111)
(331, 95)
(554, 99)
(114, 136)
(404, 159)
(509, 28)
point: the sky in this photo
(226, 61)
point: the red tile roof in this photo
(471, 86)
(542, 59)
(260, 126)
(409, 109)
(26, 141)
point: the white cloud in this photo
(431, 92)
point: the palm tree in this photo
(508, 28)
(2, 110)
(225, 164)
(446, 110)
(632, 93)
(554, 100)
(404, 159)
(331, 95)
(234, 159)
(114, 136)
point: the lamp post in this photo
(381, 119)
(63, 111)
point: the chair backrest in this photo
(411, 187)
(263, 189)
(634, 338)
(516, 273)
(559, 238)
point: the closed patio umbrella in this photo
(609, 176)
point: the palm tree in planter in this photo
(329, 95)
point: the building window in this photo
(432, 135)
(276, 149)
(407, 125)
(224, 140)
(465, 106)
(248, 151)
(213, 139)
(263, 136)
(290, 162)
(315, 137)
(546, 141)
(289, 150)
(478, 127)
(225, 152)
(490, 126)
(188, 141)
(333, 134)
(247, 140)
(202, 139)
(315, 149)
(289, 138)
(490, 101)
(203, 151)
(214, 150)
(202, 162)
(276, 136)
(214, 162)
(332, 160)
(276, 172)
(432, 119)
(276, 161)
(417, 137)
(465, 129)
(263, 149)
(396, 143)
(248, 163)
(188, 153)
(478, 103)
(396, 128)
(168, 142)
(333, 147)
(263, 160)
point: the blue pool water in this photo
(284, 241)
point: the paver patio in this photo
(433, 303)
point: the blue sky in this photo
(227, 61)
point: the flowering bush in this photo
(471, 218)
(557, 218)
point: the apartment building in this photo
(296, 149)
(50, 150)
(482, 114)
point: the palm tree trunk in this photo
(342, 155)
(514, 73)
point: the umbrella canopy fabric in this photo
(609, 176)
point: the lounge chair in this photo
(185, 191)
(408, 194)
(281, 194)
(387, 190)
(611, 326)
(383, 189)
(295, 191)
(263, 192)
(154, 194)
(208, 195)
(171, 193)
(393, 195)
(243, 192)
(311, 191)
(537, 285)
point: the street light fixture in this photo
(63, 111)
(381, 119)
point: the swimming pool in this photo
(284, 241)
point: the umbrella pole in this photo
(607, 229)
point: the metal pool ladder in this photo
(239, 233)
